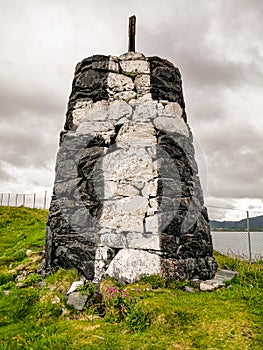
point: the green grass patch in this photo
(149, 314)
(20, 229)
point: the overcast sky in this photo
(217, 45)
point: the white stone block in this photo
(119, 109)
(127, 189)
(125, 95)
(151, 224)
(142, 241)
(144, 111)
(142, 81)
(143, 84)
(135, 67)
(137, 134)
(144, 98)
(119, 82)
(172, 125)
(150, 188)
(129, 265)
(94, 127)
(91, 112)
(122, 222)
(98, 111)
(136, 205)
(114, 240)
(132, 56)
(127, 165)
(116, 189)
(173, 109)
(105, 129)
(125, 214)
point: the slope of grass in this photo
(20, 229)
(35, 315)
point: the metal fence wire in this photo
(39, 200)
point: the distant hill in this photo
(256, 224)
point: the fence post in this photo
(34, 201)
(249, 238)
(45, 199)
(24, 200)
(8, 199)
(16, 199)
(2, 196)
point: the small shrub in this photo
(88, 289)
(19, 255)
(156, 281)
(7, 286)
(116, 304)
(120, 306)
(136, 319)
(5, 277)
(32, 279)
(177, 284)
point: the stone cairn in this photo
(127, 198)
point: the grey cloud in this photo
(26, 146)
(184, 41)
(209, 71)
(200, 66)
(204, 107)
(228, 137)
(236, 175)
(4, 175)
(30, 94)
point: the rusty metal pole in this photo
(132, 32)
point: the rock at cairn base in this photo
(127, 198)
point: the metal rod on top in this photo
(132, 32)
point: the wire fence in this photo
(243, 237)
(243, 240)
(39, 200)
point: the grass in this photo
(20, 229)
(34, 313)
